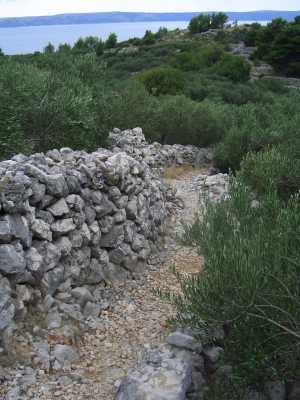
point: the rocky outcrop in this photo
(70, 220)
(176, 370)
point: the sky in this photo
(18, 8)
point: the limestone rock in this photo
(12, 260)
(41, 230)
(62, 227)
(64, 356)
(165, 378)
(82, 295)
(113, 238)
(50, 253)
(64, 245)
(54, 320)
(53, 279)
(7, 308)
(5, 233)
(92, 310)
(184, 341)
(59, 208)
(19, 229)
(213, 353)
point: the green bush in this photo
(233, 67)
(86, 45)
(251, 34)
(216, 88)
(149, 38)
(278, 44)
(49, 49)
(162, 32)
(136, 41)
(276, 169)
(200, 59)
(218, 20)
(181, 120)
(64, 48)
(111, 41)
(252, 128)
(200, 24)
(162, 80)
(204, 22)
(126, 107)
(272, 85)
(250, 283)
(12, 138)
(45, 110)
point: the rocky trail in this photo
(136, 320)
(78, 312)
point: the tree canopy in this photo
(204, 22)
(278, 43)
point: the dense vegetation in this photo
(250, 241)
(186, 88)
(278, 43)
(250, 283)
(179, 87)
(204, 22)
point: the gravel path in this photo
(137, 319)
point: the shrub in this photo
(111, 41)
(99, 49)
(162, 32)
(276, 169)
(218, 20)
(250, 283)
(278, 44)
(126, 107)
(253, 128)
(49, 49)
(197, 60)
(64, 48)
(181, 120)
(12, 138)
(162, 80)
(86, 45)
(233, 67)
(46, 110)
(272, 85)
(201, 23)
(216, 88)
(251, 34)
(204, 22)
(149, 38)
(284, 52)
(136, 41)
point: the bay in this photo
(23, 40)
(29, 39)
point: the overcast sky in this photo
(13, 8)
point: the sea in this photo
(29, 39)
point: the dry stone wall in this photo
(156, 155)
(70, 220)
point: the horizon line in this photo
(144, 12)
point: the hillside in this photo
(114, 17)
(114, 241)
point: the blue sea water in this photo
(34, 38)
(29, 39)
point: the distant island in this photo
(115, 17)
